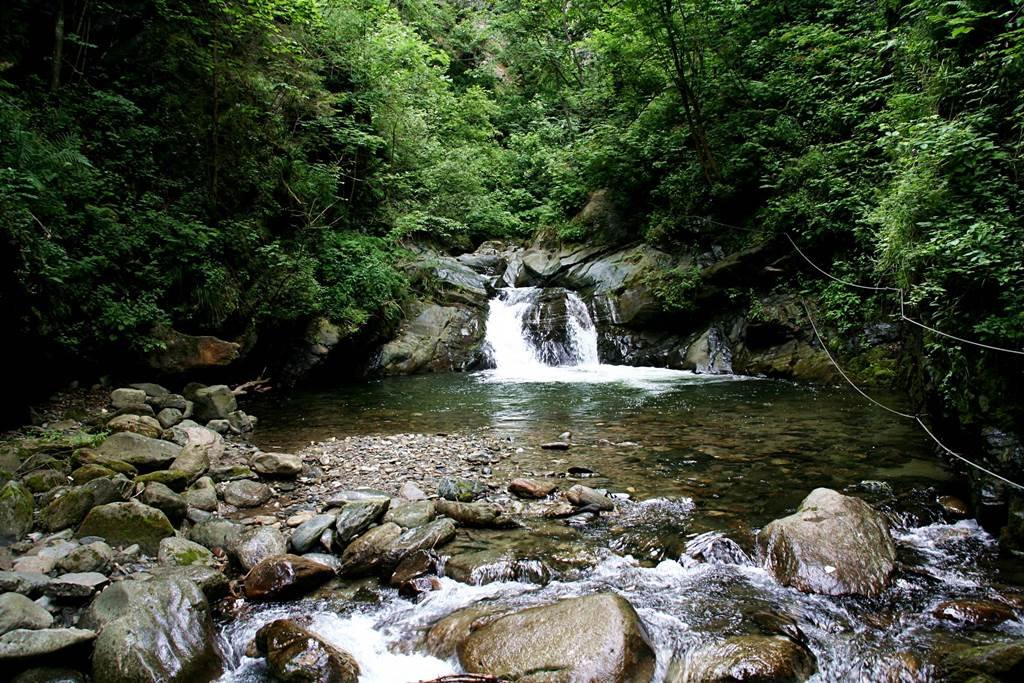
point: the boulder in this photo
(152, 391)
(182, 552)
(140, 451)
(277, 464)
(461, 490)
(202, 495)
(355, 518)
(93, 557)
(175, 480)
(832, 545)
(367, 553)
(124, 397)
(138, 424)
(478, 515)
(488, 566)
(426, 537)
(17, 611)
(71, 507)
(435, 338)
(168, 417)
(181, 352)
(211, 581)
(984, 663)
(76, 585)
(202, 446)
(597, 638)
(246, 494)
(295, 654)
(213, 403)
(241, 422)
(216, 533)
(746, 658)
(410, 491)
(90, 456)
(87, 473)
(307, 534)
(24, 583)
(126, 524)
(284, 576)
(582, 496)
(531, 488)
(16, 508)
(163, 498)
(156, 630)
(256, 545)
(26, 645)
(408, 514)
(42, 481)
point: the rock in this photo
(93, 557)
(448, 633)
(34, 564)
(87, 473)
(332, 561)
(48, 674)
(556, 446)
(23, 645)
(531, 488)
(89, 456)
(16, 508)
(461, 490)
(140, 451)
(209, 580)
(213, 403)
(156, 630)
(137, 424)
(202, 495)
(435, 338)
(17, 611)
(832, 545)
(478, 515)
(341, 498)
(593, 638)
(488, 566)
(181, 352)
(256, 545)
(58, 548)
(163, 498)
(126, 524)
(168, 417)
(410, 514)
(184, 553)
(367, 553)
(175, 480)
(121, 398)
(295, 654)
(746, 658)
(42, 481)
(426, 537)
(581, 496)
(954, 506)
(24, 583)
(76, 586)
(984, 663)
(152, 391)
(277, 464)
(71, 507)
(246, 494)
(216, 533)
(219, 426)
(202, 446)
(977, 613)
(709, 354)
(241, 421)
(409, 491)
(307, 534)
(284, 576)
(416, 565)
(222, 473)
(355, 518)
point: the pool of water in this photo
(693, 458)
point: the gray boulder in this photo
(26, 645)
(202, 447)
(367, 553)
(432, 535)
(216, 533)
(832, 545)
(71, 506)
(16, 508)
(126, 524)
(137, 424)
(93, 557)
(277, 464)
(76, 585)
(202, 495)
(163, 498)
(256, 545)
(246, 494)
(182, 552)
(410, 514)
(593, 638)
(213, 403)
(140, 451)
(122, 398)
(355, 518)
(17, 611)
(156, 630)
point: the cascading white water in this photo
(513, 321)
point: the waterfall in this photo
(532, 328)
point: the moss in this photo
(16, 507)
(175, 480)
(126, 524)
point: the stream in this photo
(699, 464)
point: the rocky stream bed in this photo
(149, 540)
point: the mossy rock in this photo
(126, 524)
(87, 473)
(73, 505)
(16, 508)
(1002, 661)
(184, 553)
(42, 481)
(176, 480)
(90, 456)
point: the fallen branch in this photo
(258, 385)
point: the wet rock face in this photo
(435, 338)
(597, 639)
(296, 654)
(772, 659)
(284, 576)
(157, 630)
(832, 545)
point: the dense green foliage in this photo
(226, 164)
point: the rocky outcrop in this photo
(182, 352)
(435, 338)
(156, 630)
(598, 638)
(832, 545)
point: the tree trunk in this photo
(58, 48)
